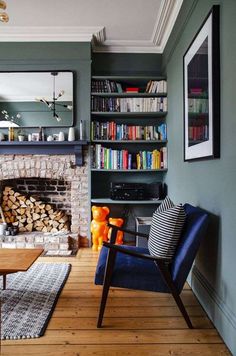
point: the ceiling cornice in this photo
(165, 22)
(50, 34)
(167, 15)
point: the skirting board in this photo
(222, 317)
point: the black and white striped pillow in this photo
(166, 228)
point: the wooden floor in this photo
(135, 323)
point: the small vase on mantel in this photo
(71, 134)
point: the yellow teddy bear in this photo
(119, 236)
(99, 228)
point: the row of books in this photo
(196, 133)
(111, 86)
(106, 86)
(129, 104)
(198, 105)
(113, 131)
(156, 86)
(107, 158)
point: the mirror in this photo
(36, 99)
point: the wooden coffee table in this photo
(16, 260)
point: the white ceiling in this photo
(141, 26)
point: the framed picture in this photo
(202, 92)
(35, 136)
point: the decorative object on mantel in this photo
(3, 15)
(50, 138)
(71, 134)
(34, 295)
(21, 135)
(81, 128)
(11, 134)
(35, 136)
(61, 136)
(52, 105)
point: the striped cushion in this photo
(166, 228)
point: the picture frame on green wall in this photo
(201, 67)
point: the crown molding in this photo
(50, 34)
(165, 21)
(126, 47)
(96, 35)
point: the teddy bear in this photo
(99, 228)
(117, 222)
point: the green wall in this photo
(125, 63)
(54, 56)
(209, 184)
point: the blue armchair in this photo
(134, 268)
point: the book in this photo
(132, 90)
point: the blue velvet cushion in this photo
(136, 273)
(131, 272)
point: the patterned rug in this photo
(30, 298)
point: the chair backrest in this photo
(194, 230)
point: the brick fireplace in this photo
(54, 179)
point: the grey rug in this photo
(30, 298)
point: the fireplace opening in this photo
(40, 210)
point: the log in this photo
(36, 216)
(21, 211)
(29, 227)
(12, 198)
(14, 206)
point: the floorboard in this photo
(135, 322)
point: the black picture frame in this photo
(201, 69)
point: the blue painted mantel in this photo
(45, 148)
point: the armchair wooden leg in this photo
(167, 277)
(106, 285)
(182, 309)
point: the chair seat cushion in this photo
(128, 271)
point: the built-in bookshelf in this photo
(128, 133)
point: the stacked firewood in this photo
(30, 214)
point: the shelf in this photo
(111, 201)
(128, 78)
(127, 170)
(45, 148)
(130, 141)
(130, 95)
(129, 114)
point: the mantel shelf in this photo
(45, 148)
